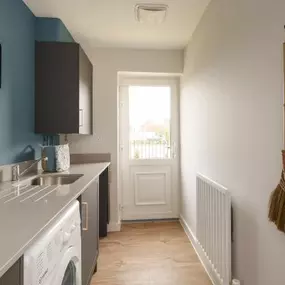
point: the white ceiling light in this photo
(151, 13)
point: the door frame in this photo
(125, 80)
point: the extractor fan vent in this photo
(151, 13)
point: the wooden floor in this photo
(149, 254)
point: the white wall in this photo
(231, 125)
(107, 63)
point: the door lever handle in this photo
(173, 150)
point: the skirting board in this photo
(199, 251)
(149, 221)
(114, 227)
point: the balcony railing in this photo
(150, 149)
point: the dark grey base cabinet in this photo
(104, 209)
(14, 276)
(90, 231)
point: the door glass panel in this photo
(69, 275)
(149, 117)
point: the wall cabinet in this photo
(64, 91)
(90, 231)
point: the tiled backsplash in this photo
(78, 158)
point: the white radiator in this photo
(214, 226)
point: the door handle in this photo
(173, 150)
(85, 228)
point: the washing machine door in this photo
(69, 270)
(69, 277)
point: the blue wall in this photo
(52, 29)
(17, 36)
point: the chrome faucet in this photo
(16, 169)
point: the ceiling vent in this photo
(151, 13)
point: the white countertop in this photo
(25, 212)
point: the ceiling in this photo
(111, 23)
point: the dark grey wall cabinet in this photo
(90, 231)
(14, 276)
(64, 89)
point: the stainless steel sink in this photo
(61, 179)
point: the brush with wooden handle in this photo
(277, 200)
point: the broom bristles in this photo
(280, 223)
(273, 204)
(277, 205)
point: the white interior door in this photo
(148, 148)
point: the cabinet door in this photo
(57, 88)
(85, 94)
(104, 203)
(14, 275)
(90, 231)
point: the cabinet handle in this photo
(81, 118)
(110, 174)
(86, 216)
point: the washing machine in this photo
(55, 258)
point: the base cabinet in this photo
(90, 231)
(14, 276)
(104, 208)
